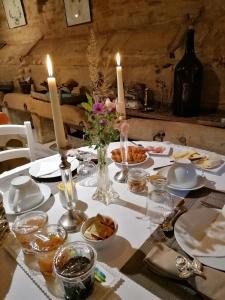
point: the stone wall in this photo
(146, 32)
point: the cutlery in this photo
(209, 205)
(136, 144)
(161, 167)
(168, 223)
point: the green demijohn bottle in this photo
(188, 81)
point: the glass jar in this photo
(137, 180)
(74, 265)
(26, 226)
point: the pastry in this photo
(134, 155)
(100, 229)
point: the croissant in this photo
(134, 155)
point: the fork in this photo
(209, 205)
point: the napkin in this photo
(162, 260)
(50, 166)
(212, 243)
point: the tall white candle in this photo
(55, 105)
(120, 107)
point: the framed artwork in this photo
(77, 12)
(14, 13)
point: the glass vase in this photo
(104, 192)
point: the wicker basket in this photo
(4, 224)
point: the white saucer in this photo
(200, 183)
(35, 168)
(46, 191)
(183, 231)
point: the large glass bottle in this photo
(188, 81)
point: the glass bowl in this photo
(25, 227)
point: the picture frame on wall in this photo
(77, 12)
(14, 13)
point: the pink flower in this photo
(98, 108)
(110, 105)
(102, 122)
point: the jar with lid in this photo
(137, 180)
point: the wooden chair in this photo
(24, 130)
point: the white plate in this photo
(136, 164)
(166, 151)
(46, 191)
(200, 183)
(215, 169)
(35, 168)
(183, 234)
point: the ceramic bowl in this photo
(182, 174)
(24, 193)
(98, 243)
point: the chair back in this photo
(24, 130)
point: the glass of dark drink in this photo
(74, 265)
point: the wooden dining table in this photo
(17, 281)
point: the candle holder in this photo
(72, 219)
(122, 175)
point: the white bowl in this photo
(24, 194)
(98, 243)
(182, 174)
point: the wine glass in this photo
(86, 171)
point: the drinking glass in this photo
(86, 170)
(159, 202)
(26, 226)
(45, 245)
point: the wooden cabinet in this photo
(191, 131)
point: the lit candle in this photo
(120, 107)
(55, 105)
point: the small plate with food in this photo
(188, 154)
(209, 162)
(135, 156)
(158, 149)
(212, 163)
(99, 231)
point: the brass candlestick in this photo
(72, 219)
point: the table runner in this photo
(50, 286)
(163, 287)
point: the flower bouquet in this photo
(100, 132)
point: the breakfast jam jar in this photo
(137, 180)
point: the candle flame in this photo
(118, 59)
(49, 65)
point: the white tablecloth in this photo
(132, 232)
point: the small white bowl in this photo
(98, 243)
(182, 174)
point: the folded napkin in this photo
(51, 165)
(212, 243)
(162, 260)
